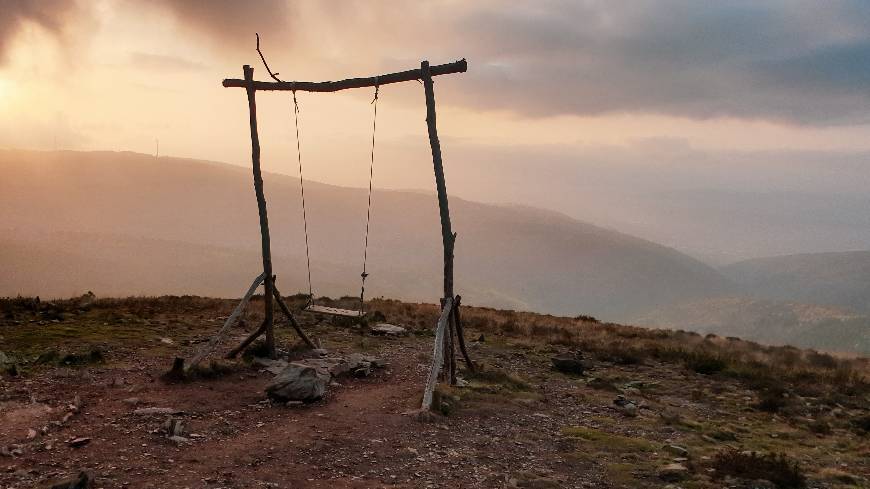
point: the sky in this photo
(612, 112)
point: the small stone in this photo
(132, 401)
(179, 439)
(31, 434)
(173, 427)
(79, 442)
(167, 341)
(384, 329)
(673, 472)
(81, 481)
(156, 410)
(677, 450)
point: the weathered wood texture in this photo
(447, 237)
(292, 319)
(250, 339)
(229, 323)
(334, 311)
(261, 207)
(460, 334)
(438, 353)
(334, 86)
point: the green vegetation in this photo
(608, 441)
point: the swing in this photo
(311, 306)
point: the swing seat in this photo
(334, 311)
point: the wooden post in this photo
(447, 236)
(268, 283)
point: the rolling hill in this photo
(836, 279)
(126, 223)
(770, 322)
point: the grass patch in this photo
(490, 376)
(608, 441)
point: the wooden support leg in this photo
(291, 318)
(437, 354)
(460, 334)
(452, 350)
(250, 339)
(229, 323)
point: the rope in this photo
(302, 191)
(364, 274)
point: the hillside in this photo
(125, 223)
(81, 390)
(837, 279)
(772, 322)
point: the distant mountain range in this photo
(126, 223)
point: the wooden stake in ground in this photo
(437, 354)
(261, 207)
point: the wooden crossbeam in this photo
(334, 86)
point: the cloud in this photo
(683, 58)
(792, 61)
(230, 22)
(159, 62)
(52, 15)
(797, 61)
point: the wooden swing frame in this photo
(449, 325)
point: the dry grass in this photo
(763, 368)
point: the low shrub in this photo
(776, 468)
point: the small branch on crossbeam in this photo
(273, 75)
(460, 66)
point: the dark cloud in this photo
(231, 22)
(798, 62)
(53, 15)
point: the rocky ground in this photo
(83, 378)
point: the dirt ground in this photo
(521, 424)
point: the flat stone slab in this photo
(385, 329)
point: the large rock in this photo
(673, 472)
(298, 382)
(571, 363)
(355, 364)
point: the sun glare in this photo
(5, 91)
